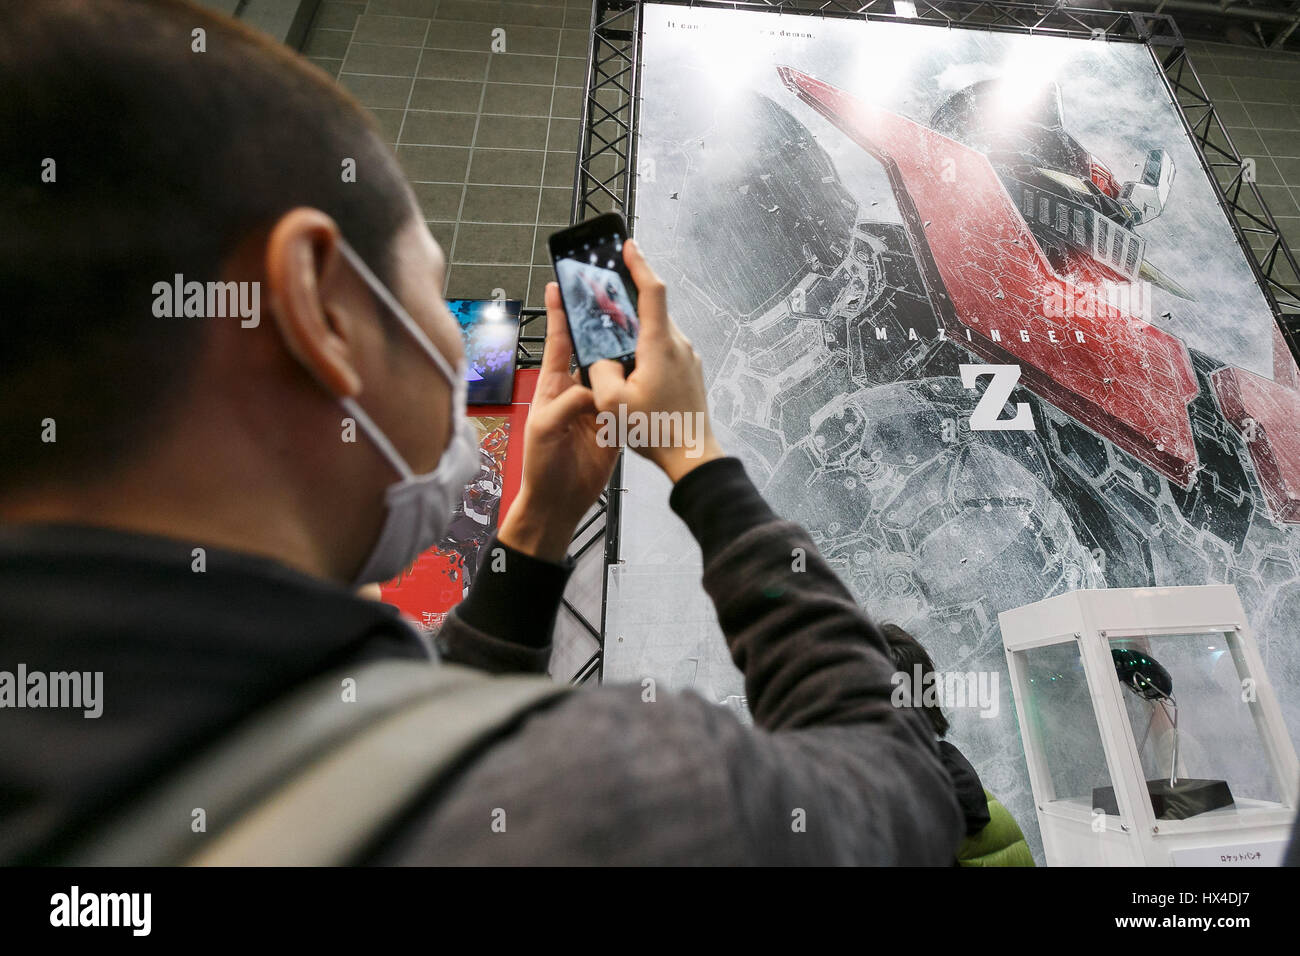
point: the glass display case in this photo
(1150, 729)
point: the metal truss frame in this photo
(602, 182)
(1234, 181)
(528, 350)
(604, 176)
(595, 527)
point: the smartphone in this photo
(598, 292)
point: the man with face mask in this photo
(191, 501)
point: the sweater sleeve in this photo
(831, 773)
(505, 623)
(809, 654)
(817, 677)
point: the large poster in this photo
(971, 313)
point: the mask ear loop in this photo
(397, 310)
(380, 440)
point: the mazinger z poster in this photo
(969, 311)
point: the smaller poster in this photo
(491, 331)
(441, 576)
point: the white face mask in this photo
(419, 507)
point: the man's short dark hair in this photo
(162, 160)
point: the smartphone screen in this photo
(598, 292)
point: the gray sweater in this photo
(831, 772)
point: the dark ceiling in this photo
(1255, 24)
(1252, 23)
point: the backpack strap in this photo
(315, 779)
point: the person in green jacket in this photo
(993, 838)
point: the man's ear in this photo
(302, 267)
